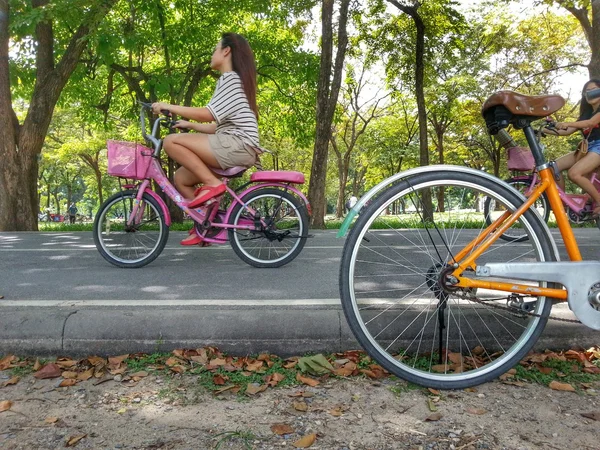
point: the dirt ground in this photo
(164, 412)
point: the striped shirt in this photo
(229, 106)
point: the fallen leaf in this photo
(336, 412)
(116, 360)
(96, 360)
(255, 388)
(306, 441)
(476, 411)
(234, 388)
(434, 391)
(37, 365)
(315, 365)
(592, 415)
(219, 379)
(281, 429)
(545, 370)
(254, 366)
(433, 417)
(274, 379)
(140, 374)
(558, 386)
(68, 382)
(122, 411)
(5, 405)
(300, 406)
(6, 361)
(84, 376)
(218, 362)
(68, 374)
(66, 363)
(51, 419)
(73, 440)
(12, 381)
(431, 405)
(306, 380)
(471, 389)
(48, 371)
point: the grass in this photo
(563, 371)
(246, 437)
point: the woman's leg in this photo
(193, 152)
(563, 163)
(186, 182)
(580, 174)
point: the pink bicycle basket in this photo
(128, 159)
(520, 159)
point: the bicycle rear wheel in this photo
(492, 209)
(273, 236)
(135, 245)
(392, 260)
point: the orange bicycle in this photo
(433, 294)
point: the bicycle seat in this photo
(285, 176)
(524, 105)
(232, 172)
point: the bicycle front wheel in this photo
(393, 258)
(492, 209)
(130, 245)
(271, 228)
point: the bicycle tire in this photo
(124, 247)
(283, 239)
(542, 205)
(374, 274)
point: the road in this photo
(67, 266)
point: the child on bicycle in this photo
(579, 170)
(231, 136)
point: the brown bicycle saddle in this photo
(524, 105)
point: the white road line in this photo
(151, 303)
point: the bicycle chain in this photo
(510, 311)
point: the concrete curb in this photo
(283, 328)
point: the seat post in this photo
(535, 147)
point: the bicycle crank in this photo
(581, 279)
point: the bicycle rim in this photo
(278, 231)
(130, 245)
(391, 260)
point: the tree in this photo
(357, 114)
(56, 57)
(330, 78)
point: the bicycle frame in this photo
(576, 202)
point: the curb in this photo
(285, 328)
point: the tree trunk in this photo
(327, 94)
(412, 11)
(20, 145)
(440, 148)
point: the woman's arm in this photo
(197, 114)
(206, 128)
(571, 127)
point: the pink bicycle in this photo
(266, 220)
(579, 207)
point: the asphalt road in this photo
(67, 266)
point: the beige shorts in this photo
(230, 151)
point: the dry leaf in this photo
(253, 367)
(476, 411)
(336, 412)
(434, 391)
(73, 440)
(68, 374)
(5, 362)
(300, 406)
(84, 376)
(48, 371)
(116, 360)
(595, 415)
(471, 390)
(306, 380)
(68, 382)
(431, 405)
(51, 419)
(306, 441)
(66, 363)
(281, 429)
(219, 379)
(96, 360)
(558, 386)
(5, 405)
(140, 374)
(12, 381)
(232, 387)
(218, 362)
(37, 365)
(433, 417)
(253, 388)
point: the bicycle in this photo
(433, 295)
(579, 207)
(266, 220)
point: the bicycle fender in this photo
(409, 173)
(162, 204)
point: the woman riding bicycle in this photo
(231, 137)
(579, 169)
